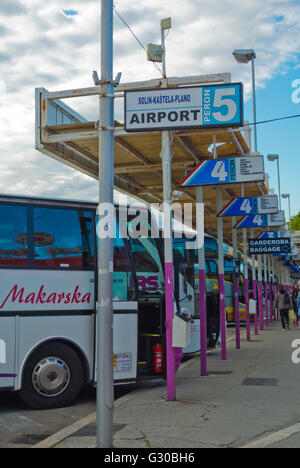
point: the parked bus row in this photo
(48, 296)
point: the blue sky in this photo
(282, 137)
(56, 45)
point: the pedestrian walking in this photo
(295, 306)
(283, 303)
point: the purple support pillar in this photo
(255, 316)
(267, 303)
(247, 309)
(236, 287)
(202, 283)
(260, 294)
(203, 322)
(272, 300)
(266, 290)
(237, 313)
(270, 290)
(260, 305)
(169, 321)
(221, 273)
(246, 274)
(222, 317)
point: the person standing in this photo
(295, 296)
(298, 304)
(284, 303)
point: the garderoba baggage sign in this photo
(269, 246)
(184, 108)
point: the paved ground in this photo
(252, 398)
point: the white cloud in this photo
(42, 46)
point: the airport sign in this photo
(208, 106)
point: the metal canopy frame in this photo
(66, 136)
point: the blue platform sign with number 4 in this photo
(226, 171)
(250, 206)
(259, 221)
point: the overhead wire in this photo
(275, 120)
(135, 36)
(160, 71)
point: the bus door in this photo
(146, 257)
(7, 352)
(212, 303)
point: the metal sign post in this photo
(168, 244)
(236, 288)
(266, 289)
(254, 286)
(221, 278)
(202, 290)
(270, 288)
(260, 294)
(246, 277)
(105, 380)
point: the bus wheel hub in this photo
(51, 377)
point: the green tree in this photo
(296, 222)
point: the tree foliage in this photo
(296, 222)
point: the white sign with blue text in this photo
(259, 221)
(251, 206)
(184, 108)
(226, 171)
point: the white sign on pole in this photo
(187, 107)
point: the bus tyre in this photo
(53, 377)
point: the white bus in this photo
(48, 294)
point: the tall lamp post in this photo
(245, 56)
(275, 157)
(287, 195)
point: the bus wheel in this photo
(52, 378)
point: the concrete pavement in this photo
(252, 398)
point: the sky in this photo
(56, 45)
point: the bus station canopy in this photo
(64, 135)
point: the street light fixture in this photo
(287, 195)
(245, 56)
(275, 157)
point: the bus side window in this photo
(62, 238)
(213, 269)
(13, 236)
(147, 264)
(123, 283)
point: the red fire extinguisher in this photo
(157, 358)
